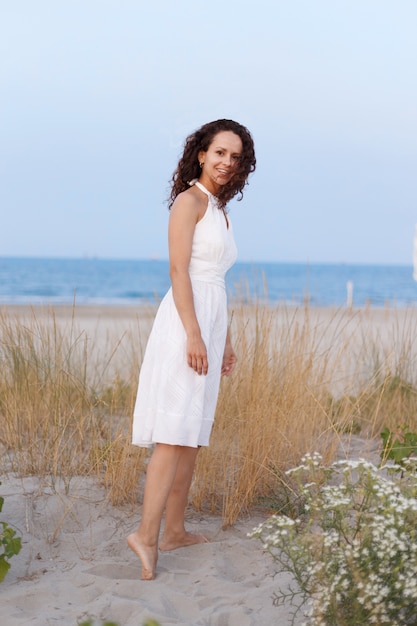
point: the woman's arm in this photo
(183, 219)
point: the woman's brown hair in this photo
(188, 167)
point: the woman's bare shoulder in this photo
(191, 200)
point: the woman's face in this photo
(220, 160)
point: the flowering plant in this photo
(353, 553)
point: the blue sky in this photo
(97, 96)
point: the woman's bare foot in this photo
(147, 554)
(173, 542)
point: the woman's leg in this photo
(160, 476)
(175, 535)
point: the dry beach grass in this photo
(307, 379)
(305, 376)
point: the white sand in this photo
(75, 564)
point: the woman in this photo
(189, 346)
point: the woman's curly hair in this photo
(188, 167)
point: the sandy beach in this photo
(75, 563)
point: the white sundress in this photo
(174, 404)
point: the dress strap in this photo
(200, 186)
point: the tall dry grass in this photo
(64, 407)
(270, 413)
(304, 379)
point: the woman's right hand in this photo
(197, 355)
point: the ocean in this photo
(139, 282)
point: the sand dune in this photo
(75, 564)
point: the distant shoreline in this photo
(143, 283)
(232, 303)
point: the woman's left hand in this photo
(229, 360)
